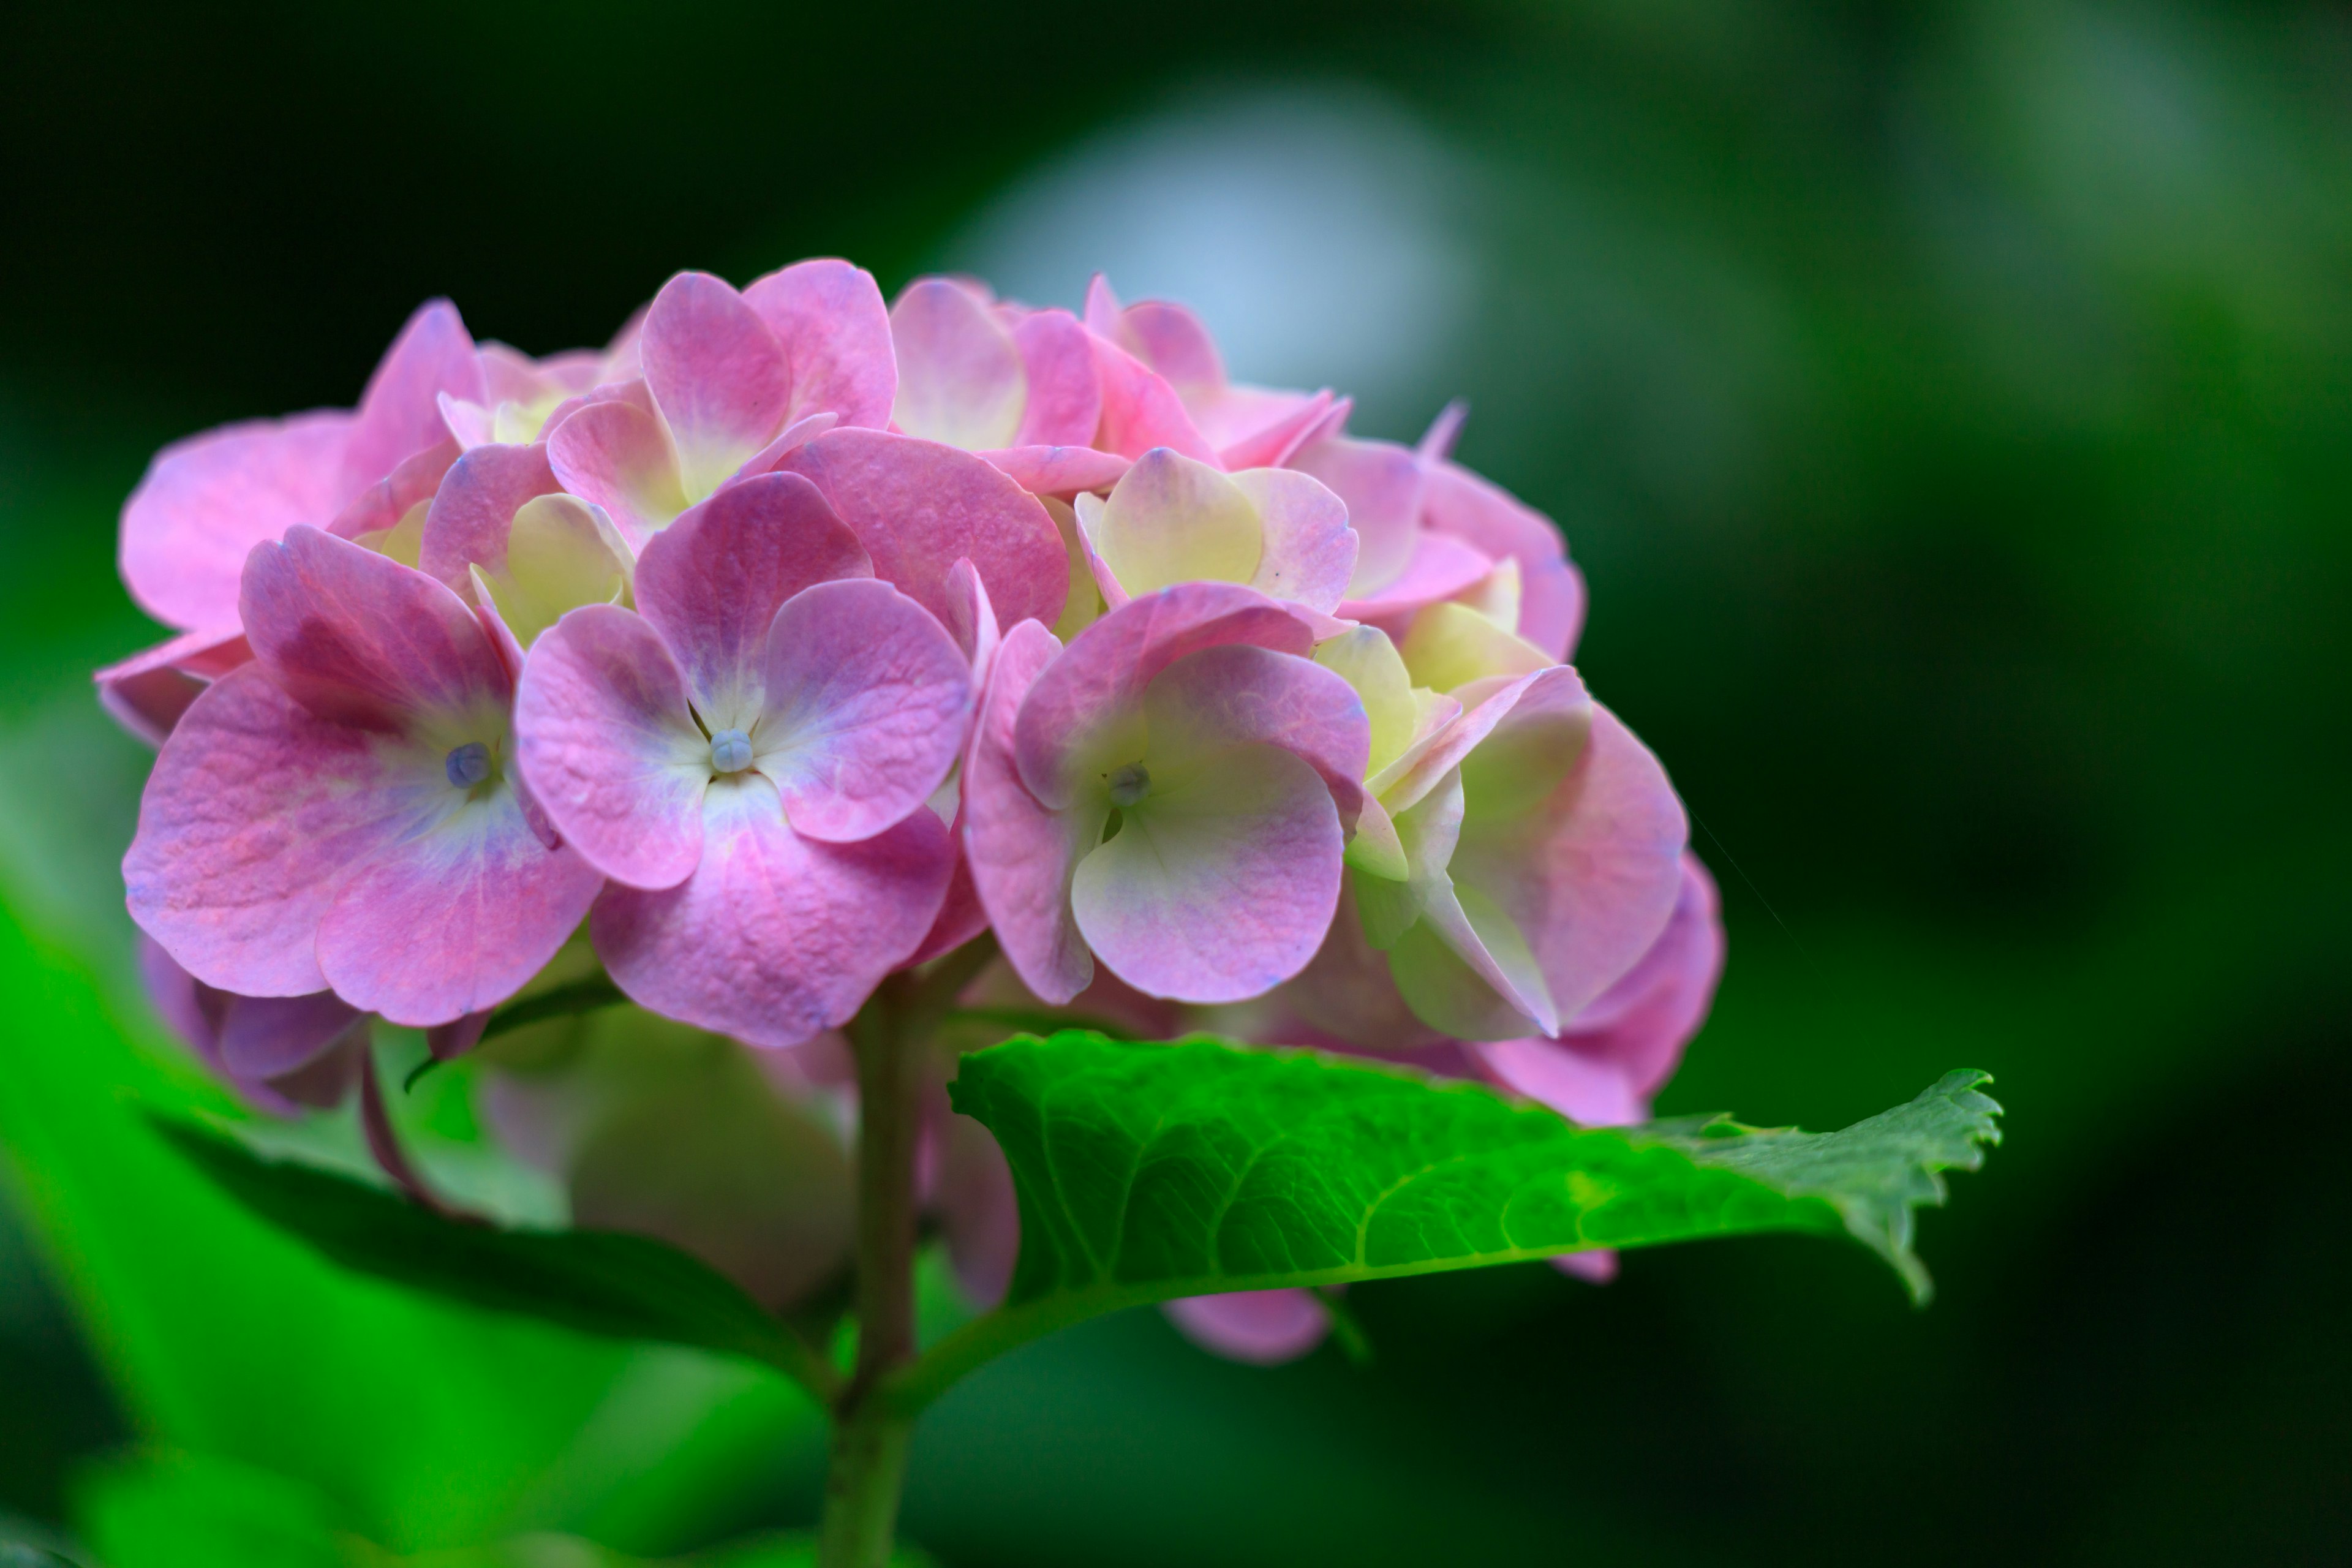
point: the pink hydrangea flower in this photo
(730, 382)
(204, 502)
(1434, 531)
(1171, 794)
(341, 812)
(747, 756)
(1164, 385)
(1172, 519)
(1017, 387)
(280, 1053)
(521, 393)
(502, 533)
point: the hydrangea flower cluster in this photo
(794, 640)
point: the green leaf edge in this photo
(1885, 1227)
(473, 1260)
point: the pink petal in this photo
(1141, 411)
(254, 813)
(1264, 1328)
(455, 919)
(836, 334)
(1594, 872)
(1345, 989)
(712, 582)
(1107, 667)
(1643, 1022)
(867, 698)
(400, 413)
(774, 937)
(961, 379)
(610, 749)
(254, 1040)
(1103, 310)
(265, 1037)
(1254, 428)
(470, 424)
(1226, 696)
(383, 504)
(1220, 886)
(1171, 340)
(972, 1193)
(1586, 1088)
(476, 502)
(717, 375)
(1058, 471)
(1022, 854)
(1310, 549)
(1064, 405)
(206, 502)
(1381, 484)
(1442, 566)
(148, 692)
(1551, 592)
(918, 508)
(617, 454)
(356, 638)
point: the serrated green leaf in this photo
(599, 1282)
(1146, 1171)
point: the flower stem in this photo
(870, 1437)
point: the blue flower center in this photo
(468, 765)
(730, 750)
(1129, 784)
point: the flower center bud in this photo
(468, 765)
(1128, 785)
(730, 750)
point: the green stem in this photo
(868, 1464)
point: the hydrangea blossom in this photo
(793, 642)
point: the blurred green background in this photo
(1951, 406)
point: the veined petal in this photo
(1141, 411)
(867, 698)
(400, 413)
(206, 502)
(1021, 853)
(610, 749)
(712, 582)
(1593, 871)
(1173, 519)
(254, 813)
(356, 638)
(477, 499)
(617, 454)
(1309, 549)
(148, 692)
(1381, 482)
(1441, 567)
(1064, 405)
(717, 375)
(1551, 605)
(1057, 470)
(775, 937)
(920, 507)
(1219, 886)
(1221, 697)
(560, 553)
(1640, 1025)
(384, 504)
(961, 377)
(1098, 682)
(1252, 427)
(836, 334)
(454, 920)
(1452, 646)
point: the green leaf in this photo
(1146, 1171)
(599, 1282)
